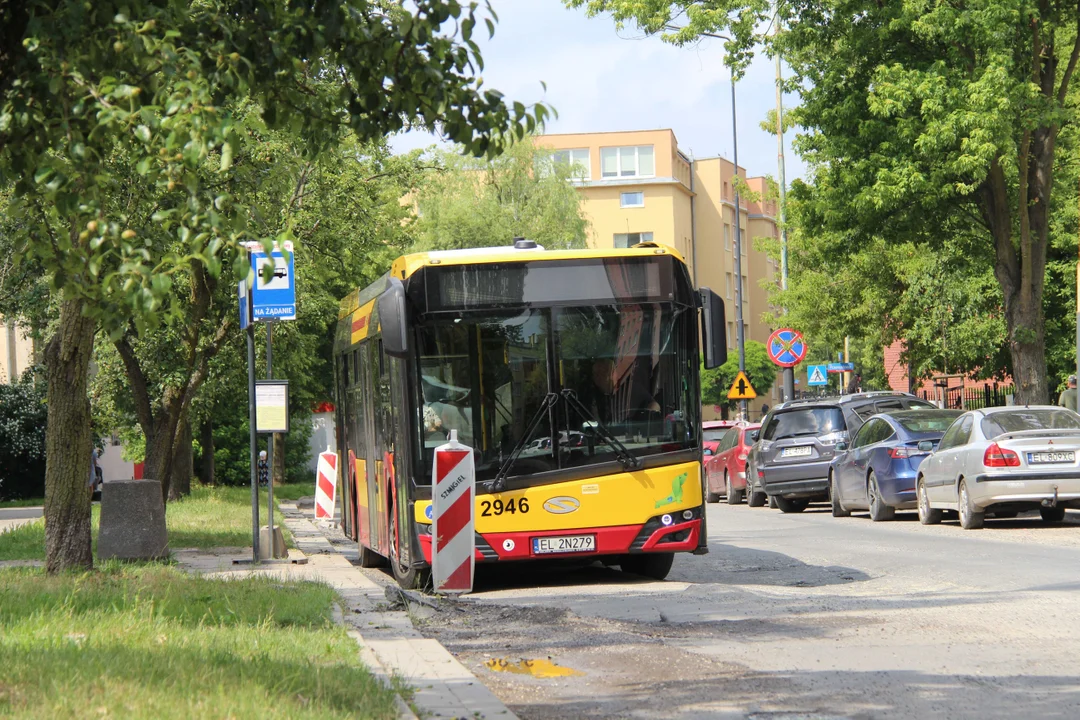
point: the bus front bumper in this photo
(653, 536)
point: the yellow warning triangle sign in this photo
(741, 389)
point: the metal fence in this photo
(971, 398)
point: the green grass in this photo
(149, 641)
(210, 517)
(294, 491)
(29, 502)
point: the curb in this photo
(444, 688)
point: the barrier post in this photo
(453, 550)
(326, 484)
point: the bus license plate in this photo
(564, 544)
(1037, 458)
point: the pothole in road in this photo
(540, 668)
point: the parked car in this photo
(1003, 461)
(794, 449)
(714, 430)
(725, 472)
(877, 471)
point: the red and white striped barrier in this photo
(453, 552)
(325, 485)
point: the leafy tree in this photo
(760, 369)
(84, 86)
(485, 203)
(22, 439)
(918, 112)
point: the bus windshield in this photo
(489, 376)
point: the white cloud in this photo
(602, 80)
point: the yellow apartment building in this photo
(16, 351)
(638, 186)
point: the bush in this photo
(22, 440)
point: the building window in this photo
(731, 334)
(631, 161)
(727, 238)
(625, 240)
(729, 285)
(726, 194)
(745, 294)
(632, 200)
(577, 159)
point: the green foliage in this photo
(473, 203)
(760, 369)
(22, 440)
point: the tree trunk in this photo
(67, 442)
(183, 465)
(278, 471)
(206, 441)
(159, 454)
(1027, 345)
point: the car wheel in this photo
(772, 503)
(710, 496)
(756, 499)
(1052, 514)
(734, 497)
(651, 565)
(879, 510)
(927, 515)
(970, 518)
(838, 509)
(790, 505)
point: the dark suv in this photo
(797, 442)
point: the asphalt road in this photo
(13, 517)
(793, 616)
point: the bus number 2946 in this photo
(498, 507)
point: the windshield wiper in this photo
(628, 460)
(499, 483)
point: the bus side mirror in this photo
(392, 319)
(713, 328)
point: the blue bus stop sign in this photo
(274, 300)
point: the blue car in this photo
(876, 471)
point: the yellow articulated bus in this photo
(572, 374)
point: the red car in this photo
(725, 470)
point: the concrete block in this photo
(265, 545)
(132, 525)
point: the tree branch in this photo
(143, 409)
(1064, 89)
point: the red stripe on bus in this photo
(454, 519)
(359, 324)
(446, 461)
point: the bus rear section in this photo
(573, 375)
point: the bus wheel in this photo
(651, 565)
(371, 559)
(410, 578)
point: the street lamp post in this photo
(789, 373)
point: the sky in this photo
(600, 80)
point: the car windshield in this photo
(927, 422)
(501, 379)
(805, 422)
(1009, 421)
(714, 434)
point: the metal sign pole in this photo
(252, 436)
(270, 444)
(738, 249)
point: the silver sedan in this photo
(1003, 461)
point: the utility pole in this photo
(789, 373)
(738, 248)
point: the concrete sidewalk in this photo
(389, 645)
(11, 518)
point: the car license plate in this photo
(1040, 458)
(564, 544)
(800, 451)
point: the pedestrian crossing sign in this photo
(817, 375)
(741, 389)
